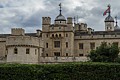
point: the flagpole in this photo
(109, 9)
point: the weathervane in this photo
(60, 7)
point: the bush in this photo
(104, 53)
(66, 71)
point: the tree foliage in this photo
(104, 53)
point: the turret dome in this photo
(60, 17)
(109, 19)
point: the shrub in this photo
(66, 71)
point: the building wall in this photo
(21, 56)
(34, 44)
(58, 32)
(2, 47)
(86, 45)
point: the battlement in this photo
(22, 40)
(69, 20)
(17, 31)
(46, 20)
(81, 26)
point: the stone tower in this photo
(46, 21)
(58, 37)
(109, 21)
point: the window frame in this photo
(81, 46)
(27, 50)
(15, 50)
(56, 44)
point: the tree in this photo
(104, 53)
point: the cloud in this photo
(28, 13)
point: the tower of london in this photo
(62, 41)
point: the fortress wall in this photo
(22, 40)
(86, 45)
(21, 56)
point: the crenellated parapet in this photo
(22, 40)
(17, 31)
(46, 20)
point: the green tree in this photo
(104, 53)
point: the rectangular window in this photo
(66, 35)
(56, 44)
(66, 44)
(46, 54)
(80, 45)
(115, 43)
(56, 53)
(66, 54)
(15, 50)
(92, 45)
(28, 51)
(46, 45)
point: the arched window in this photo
(59, 35)
(52, 35)
(56, 35)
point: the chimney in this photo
(38, 32)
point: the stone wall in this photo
(62, 59)
(86, 45)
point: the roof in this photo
(27, 34)
(60, 17)
(4, 35)
(109, 19)
(79, 33)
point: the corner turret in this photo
(109, 21)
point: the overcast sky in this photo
(27, 14)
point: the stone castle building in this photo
(58, 42)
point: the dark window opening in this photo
(80, 54)
(56, 53)
(15, 51)
(66, 44)
(56, 35)
(59, 35)
(52, 35)
(46, 45)
(66, 54)
(56, 44)
(47, 55)
(80, 45)
(28, 51)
